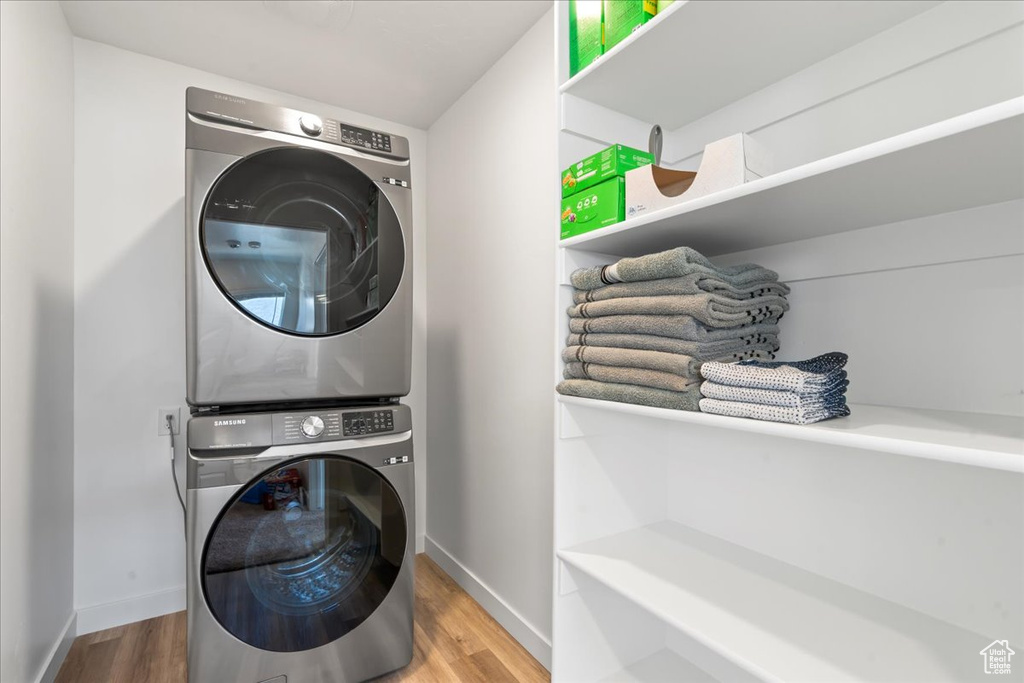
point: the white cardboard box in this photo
(726, 163)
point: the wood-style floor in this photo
(455, 640)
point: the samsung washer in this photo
(300, 535)
(298, 256)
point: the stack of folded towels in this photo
(797, 392)
(641, 328)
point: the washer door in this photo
(305, 554)
(302, 241)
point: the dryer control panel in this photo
(251, 115)
(358, 137)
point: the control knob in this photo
(313, 426)
(311, 125)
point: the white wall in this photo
(492, 178)
(129, 318)
(36, 449)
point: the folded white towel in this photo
(822, 373)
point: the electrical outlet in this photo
(161, 420)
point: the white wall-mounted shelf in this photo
(776, 621)
(663, 665)
(695, 58)
(975, 439)
(970, 160)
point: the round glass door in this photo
(302, 242)
(305, 554)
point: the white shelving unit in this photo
(975, 439)
(775, 621)
(663, 665)
(967, 161)
(887, 545)
(713, 59)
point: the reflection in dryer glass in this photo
(291, 236)
(305, 554)
(283, 282)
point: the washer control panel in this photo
(368, 422)
(310, 425)
(298, 427)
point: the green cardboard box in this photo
(663, 5)
(597, 168)
(596, 207)
(622, 17)
(585, 33)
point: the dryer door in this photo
(302, 241)
(305, 554)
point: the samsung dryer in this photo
(300, 545)
(298, 256)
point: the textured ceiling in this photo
(406, 61)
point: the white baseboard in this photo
(522, 630)
(59, 651)
(111, 614)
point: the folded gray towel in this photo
(628, 393)
(674, 363)
(638, 376)
(694, 283)
(676, 326)
(712, 310)
(736, 349)
(672, 263)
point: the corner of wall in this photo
(59, 652)
(37, 622)
(518, 626)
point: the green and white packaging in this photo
(596, 207)
(622, 17)
(597, 168)
(585, 34)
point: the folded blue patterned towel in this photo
(828, 398)
(819, 365)
(758, 411)
(799, 392)
(817, 374)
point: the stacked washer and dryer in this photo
(299, 487)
